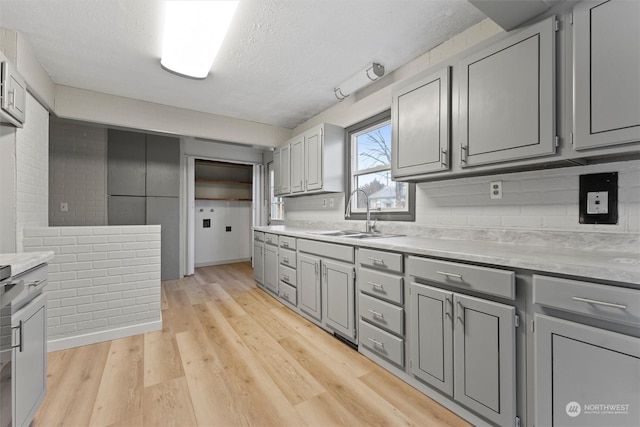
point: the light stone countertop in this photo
(23, 261)
(606, 265)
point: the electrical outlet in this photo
(597, 202)
(598, 198)
(331, 202)
(64, 207)
(324, 203)
(496, 189)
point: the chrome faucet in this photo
(347, 210)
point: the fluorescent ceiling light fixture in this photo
(193, 33)
(370, 74)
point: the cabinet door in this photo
(297, 165)
(507, 98)
(258, 262)
(271, 268)
(163, 166)
(338, 296)
(14, 92)
(313, 159)
(606, 67)
(285, 169)
(484, 358)
(126, 163)
(578, 368)
(277, 166)
(420, 131)
(309, 292)
(29, 360)
(166, 212)
(432, 336)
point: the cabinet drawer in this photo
(287, 242)
(382, 343)
(381, 285)
(258, 235)
(471, 277)
(271, 239)
(383, 314)
(287, 275)
(288, 257)
(327, 250)
(602, 301)
(381, 260)
(288, 293)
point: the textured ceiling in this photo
(278, 65)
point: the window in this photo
(276, 204)
(370, 170)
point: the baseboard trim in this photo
(96, 337)
(226, 261)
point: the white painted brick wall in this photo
(32, 170)
(78, 174)
(104, 282)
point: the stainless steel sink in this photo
(339, 233)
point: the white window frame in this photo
(271, 198)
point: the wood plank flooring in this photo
(228, 355)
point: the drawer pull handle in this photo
(285, 277)
(285, 244)
(606, 304)
(375, 285)
(376, 342)
(285, 259)
(375, 313)
(36, 283)
(376, 260)
(445, 273)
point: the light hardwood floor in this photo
(228, 355)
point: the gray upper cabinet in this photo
(313, 159)
(485, 358)
(284, 172)
(606, 42)
(126, 163)
(339, 297)
(507, 98)
(420, 130)
(163, 166)
(277, 158)
(297, 165)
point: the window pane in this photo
(276, 211)
(373, 148)
(383, 192)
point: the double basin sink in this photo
(354, 234)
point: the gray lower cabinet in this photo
(258, 261)
(271, 267)
(606, 69)
(465, 347)
(585, 376)
(166, 212)
(338, 297)
(127, 210)
(421, 122)
(29, 369)
(309, 291)
(507, 98)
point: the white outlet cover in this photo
(495, 189)
(64, 207)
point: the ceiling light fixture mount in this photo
(363, 78)
(193, 33)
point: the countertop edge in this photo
(24, 261)
(520, 256)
